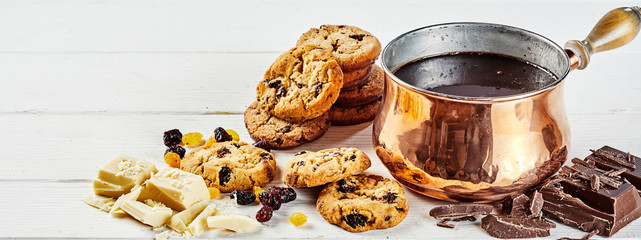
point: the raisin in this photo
(318, 89)
(274, 84)
(265, 156)
(298, 219)
(355, 220)
(285, 129)
(388, 218)
(262, 144)
(233, 134)
(285, 194)
(172, 159)
(344, 187)
(269, 199)
(213, 192)
(243, 197)
(264, 214)
(224, 175)
(280, 92)
(278, 140)
(172, 137)
(176, 149)
(300, 163)
(266, 80)
(222, 152)
(221, 135)
(343, 197)
(235, 145)
(299, 85)
(358, 37)
(193, 139)
(352, 157)
(389, 197)
(301, 152)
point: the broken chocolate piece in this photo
(571, 199)
(587, 237)
(445, 224)
(507, 227)
(460, 211)
(516, 206)
(536, 204)
(618, 160)
(594, 182)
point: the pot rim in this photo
(456, 98)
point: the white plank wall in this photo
(84, 80)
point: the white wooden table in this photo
(84, 80)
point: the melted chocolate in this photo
(472, 74)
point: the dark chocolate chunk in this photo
(594, 182)
(536, 204)
(456, 211)
(516, 206)
(632, 174)
(587, 237)
(444, 224)
(571, 199)
(507, 227)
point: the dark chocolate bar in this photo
(463, 211)
(609, 158)
(591, 199)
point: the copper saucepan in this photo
(483, 149)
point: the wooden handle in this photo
(617, 28)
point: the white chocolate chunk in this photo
(131, 196)
(102, 204)
(152, 216)
(181, 220)
(236, 223)
(121, 174)
(175, 188)
(200, 222)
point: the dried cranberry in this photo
(221, 135)
(176, 149)
(264, 214)
(243, 197)
(172, 137)
(224, 175)
(262, 144)
(269, 199)
(287, 195)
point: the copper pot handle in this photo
(615, 29)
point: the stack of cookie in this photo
(294, 98)
(355, 50)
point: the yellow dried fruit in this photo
(214, 193)
(298, 219)
(172, 159)
(210, 141)
(193, 139)
(234, 135)
(257, 191)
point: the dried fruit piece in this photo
(243, 197)
(193, 139)
(233, 134)
(172, 137)
(262, 144)
(355, 220)
(298, 219)
(257, 191)
(172, 159)
(214, 192)
(221, 135)
(270, 199)
(176, 149)
(224, 175)
(264, 214)
(210, 141)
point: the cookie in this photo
(363, 202)
(369, 92)
(309, 169)
(355, 78)
(354, 115)
(352, 47)
(301, 84)
(281, 134)
(231, 165)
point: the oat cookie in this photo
(231, 165)
(301, 84)
(280, 134)
(363, 202)
(367, 93)
(309, 169)
(352, 47)
(354, 115)
(355, 78)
